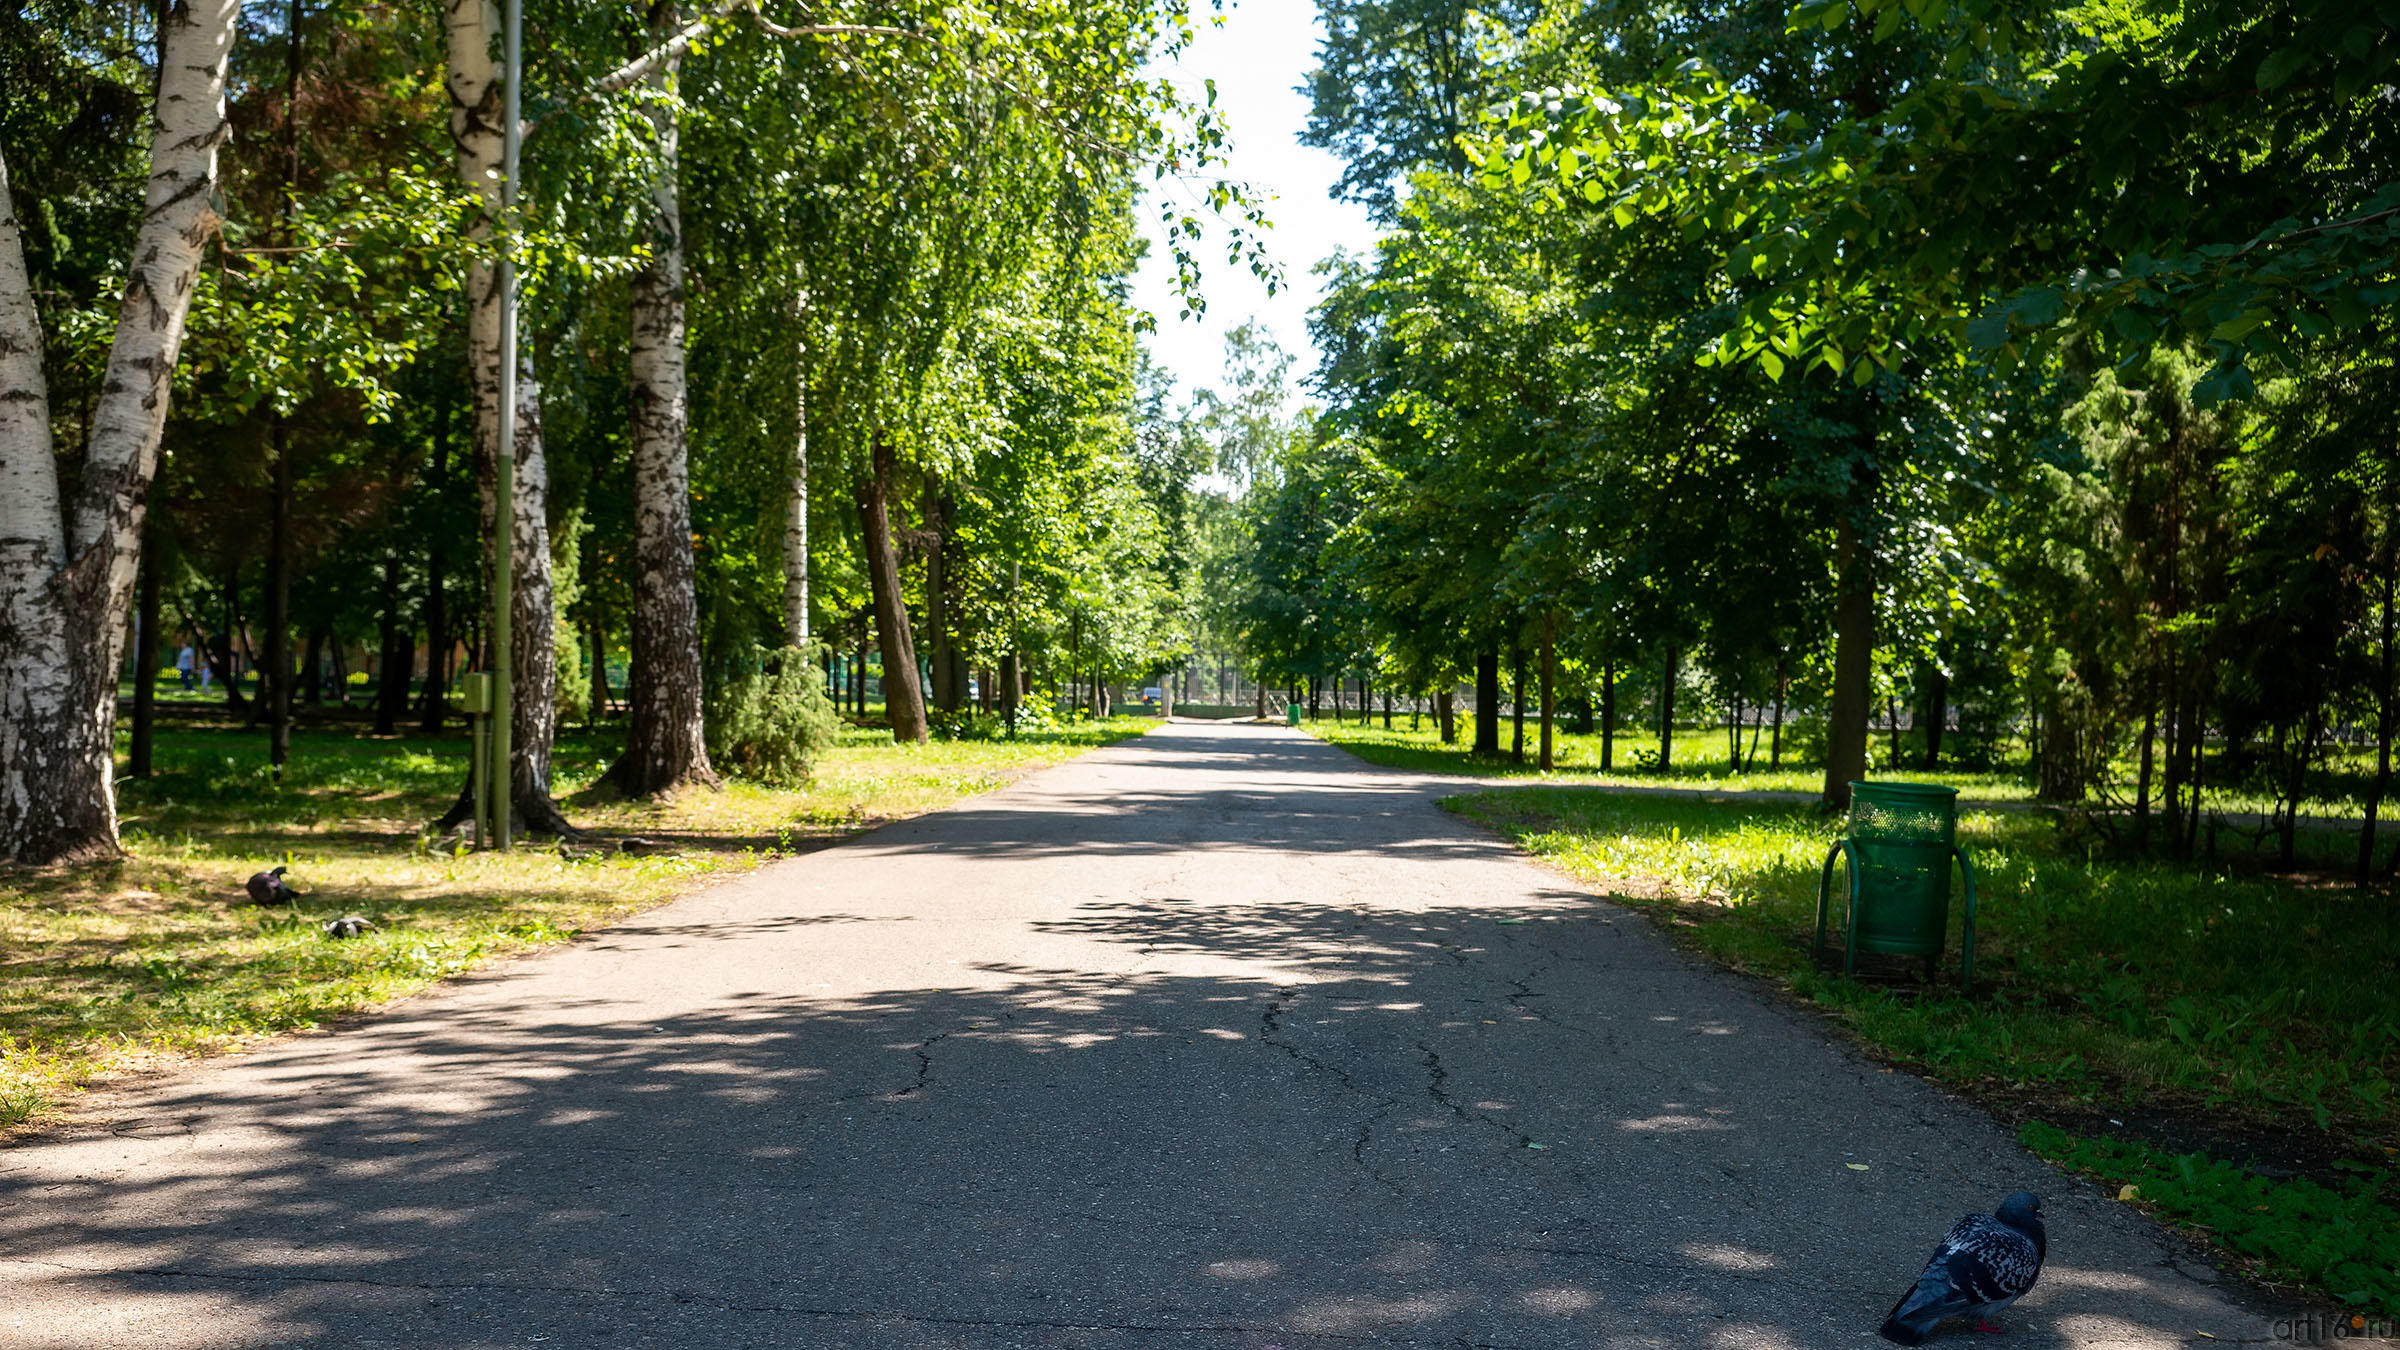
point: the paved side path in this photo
(1214, 1039)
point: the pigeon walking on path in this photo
(269, 888)
(1985, 1264)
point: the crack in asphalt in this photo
(1270, 1027)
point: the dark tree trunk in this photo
(275, 671)
(1937, 713)
(949, 670)
(1445, 715)
(145, 656)
(598, 637)
(312, 663)
(220, 652)
(1853, 666)
(1783, 686)
(903, 701)
(1608, 716)
(1516, 704)
(1549, 674)
(2383, 717)
(1666, 710)
(1733, 736)
(391, 661)
(2141, 787)
(1583, 713)
(1487, 702)
(434, 706)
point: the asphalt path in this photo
(1217, 1038)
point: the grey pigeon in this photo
(1985, 1264)
(268, 888)
(348, 926)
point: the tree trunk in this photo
(903, 701)
(949, 670)
(67, 576)
(1783, 688)
(1445, 715)
(1608, 716)
(795, 510)
(598, 711)
(665, 744)
(2143, 776)
(312, 667)
(1733, 735)
(1549, 672)
(1853, 666)
(435, 701)
(145, 659)
(1937, 713)
(2383, 716)
(1516, 703)
(1666, 710)
(391, 661)
(275, 669)
(1487, 702)
(473, 28)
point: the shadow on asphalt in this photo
(1454, 1125)
(1060, 1159)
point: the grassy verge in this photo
(107, 967)
(2224, 1016)
(2343, 1239)
(1702, 761)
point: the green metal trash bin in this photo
(1291, 714)
(1902, 839)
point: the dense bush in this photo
(770, 722)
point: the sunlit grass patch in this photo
(156, 954)
(2103, 983)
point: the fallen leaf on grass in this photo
(2129, 1193)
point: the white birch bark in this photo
(795, 524)
(67, 580)
(476, 119)
(664, 748)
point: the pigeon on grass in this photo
(269, 888)
(1985, 1264)
(348, 926)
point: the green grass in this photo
(2104, 983)
(109, 966)
(2345, 1241)
(1701, 762)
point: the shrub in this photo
(771, 721)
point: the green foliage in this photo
(771, 721)
(2340, 1240)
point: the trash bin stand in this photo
(1966, 965)
(1841, 849)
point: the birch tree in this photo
(475, 131)
(665, 747)
(68, 557)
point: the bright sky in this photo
(1258, 59)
